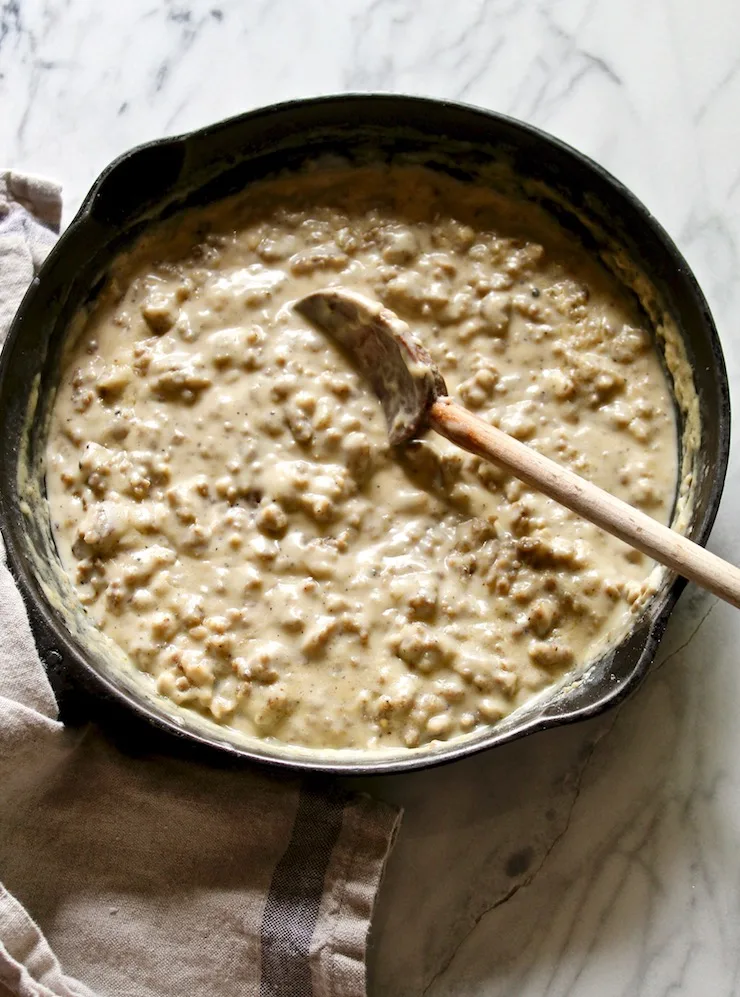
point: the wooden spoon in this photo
(414, 396)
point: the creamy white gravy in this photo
(225, 500)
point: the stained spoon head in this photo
(385, 351)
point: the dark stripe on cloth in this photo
(296, 890)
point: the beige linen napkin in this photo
(152, 876)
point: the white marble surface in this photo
(597, 860)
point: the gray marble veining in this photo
(600, 859)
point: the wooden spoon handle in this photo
(588, 500)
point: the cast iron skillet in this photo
(158, 178)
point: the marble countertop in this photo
(600, 859)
